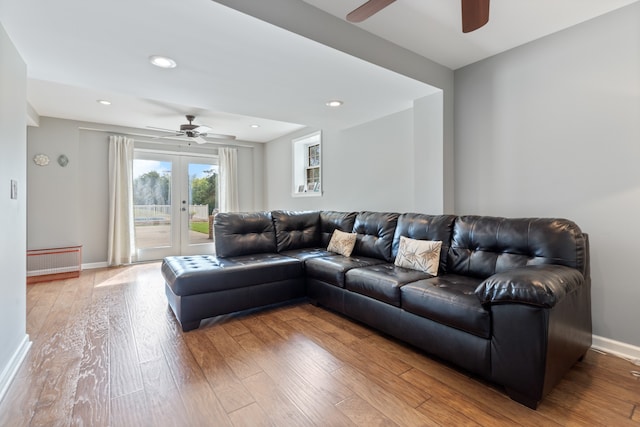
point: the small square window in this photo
(307, 165)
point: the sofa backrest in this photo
(295, 230)
(331, 221)
(425, 227)
(375, 234)
(243, 233)
(482, 246)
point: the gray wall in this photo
(53, 205)
(553, 129)
(69, 206)
(13, 104)
(370, 166)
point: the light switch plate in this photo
(14, 189)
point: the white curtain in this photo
(121, 229)
(228, 179)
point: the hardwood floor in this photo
(107, 351)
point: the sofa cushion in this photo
(425, 227)
(332, 269)
(482, 246)
(189, 275)
(449, 300)
(331, 220)
(342, 243)
(421, 255)
(244, 233)
(381, 281)
(307, 253)
(375, 234)
(295, 230)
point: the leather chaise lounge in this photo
(510, 301)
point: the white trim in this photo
(156, 138)
(177, 153)
(92, 265)
(10, 371)
(308, 194)
(617, 348)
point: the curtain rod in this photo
(232, 144)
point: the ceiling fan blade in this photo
(168, 136)
(475, 14)
(218, 136)
(200, 140)
(201, 129)
(162, 129)
(366, 10)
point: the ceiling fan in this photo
(475, 13)
(190, 130)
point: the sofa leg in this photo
(314, 302)
(189, 326)
(527, 401)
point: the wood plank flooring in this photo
(107, 351)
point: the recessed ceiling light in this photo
(162, 61)
(255, 126)
(334, 103)
(103, 102)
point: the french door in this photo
(174, 196)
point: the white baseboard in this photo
(91, 265)
(617, 348)
(12, 367)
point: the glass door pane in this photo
(153, 211)
(202, 201)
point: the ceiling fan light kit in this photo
(475, 13)
(192, 131)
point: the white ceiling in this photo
(433, 28)
(235, 70)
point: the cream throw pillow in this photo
(342, 243)
(422, 255)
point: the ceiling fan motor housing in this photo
(188, 128)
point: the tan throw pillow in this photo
(342, 243)
(422, 255)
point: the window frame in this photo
(302, 165)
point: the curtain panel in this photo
(228, 158)
(121, 226)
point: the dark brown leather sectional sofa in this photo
(511, 301)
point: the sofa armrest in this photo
(537, 285)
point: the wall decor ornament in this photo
(63, 160)
(41, 159)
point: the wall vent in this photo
(44, 265)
